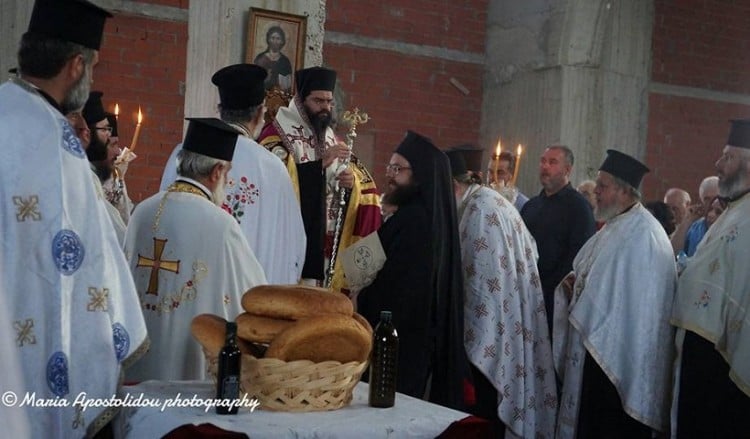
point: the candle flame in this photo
(117, 109)
(140, 115)
(498, 149)
(519, 150)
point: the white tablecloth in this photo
(410, 417)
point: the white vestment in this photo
(505, 323)
(188, 257)
(619, 313)
(116, 192)
(713, 296)
(118, 225)
(70, 299)
(261, 198)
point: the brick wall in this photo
(702, 44)
(402, 91)
(142, 62)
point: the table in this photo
(410, 417)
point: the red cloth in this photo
(469, 427)
(203, 431)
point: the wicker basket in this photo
(296, 386)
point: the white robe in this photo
(505, 323)
(118, 225)
(619, 313)
(70, 298)
(261, 198)
(713, 297)
(205, 266)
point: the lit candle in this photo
(519, 150)
(137, 130)
(117, 112)
(498, 151)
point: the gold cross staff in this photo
(157, 264)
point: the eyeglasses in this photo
(395, 169)
(107, 129)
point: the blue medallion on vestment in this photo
(57, 374)
(122, 341)
(67, 251)
(71, 143)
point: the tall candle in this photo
(137, 130)
(519, 150)
(117, 112)
(498, 151)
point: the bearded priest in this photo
(187, 255)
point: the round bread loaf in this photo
(260, 329)
(293, 302)
(329, 337)
(211, 331)
(363, 322)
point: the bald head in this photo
(708, 190)
(678, 200)
(586, 188)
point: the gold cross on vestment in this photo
(157, 264)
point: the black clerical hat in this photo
(93, 111)
(624, 167)
(210, 137)
(240, 86)
(76, 21)
(739, 135)
(472, 156)
(415, 146)
(314, 78)
(113, 123)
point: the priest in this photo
(712, 384)
(259, 192)
(421, 280)
(505, 322)
(301, 135)
(612, 338)
(71, 306)
(187, 256)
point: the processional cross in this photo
(157, 264)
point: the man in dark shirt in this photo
(559, 218)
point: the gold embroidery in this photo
(28, 208)
(157, 264)
(187, 292)
(178, 186)
(25, 332)
(735, 325)
(99, 299)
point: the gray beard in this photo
(732, 185)
(78, 95)
(220, 192)
(605, 214)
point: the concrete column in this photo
(574, 72)
(14, 20)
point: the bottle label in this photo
(230, 387)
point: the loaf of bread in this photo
(363, 322)
(328, 337)
(259, 329)
(211, 331)
(293, 302)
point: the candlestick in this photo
(137, 130)
(518, 163)
(117, 112)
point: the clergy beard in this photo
(399, 195)
(79, 94)
(97, 150)
(605, 213)
(734, 184)
(320, 122)
(220, 192)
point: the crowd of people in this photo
(573, 313)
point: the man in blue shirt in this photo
(559, 218)
(690, 231)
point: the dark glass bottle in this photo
(228, 374)
(383, 367)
